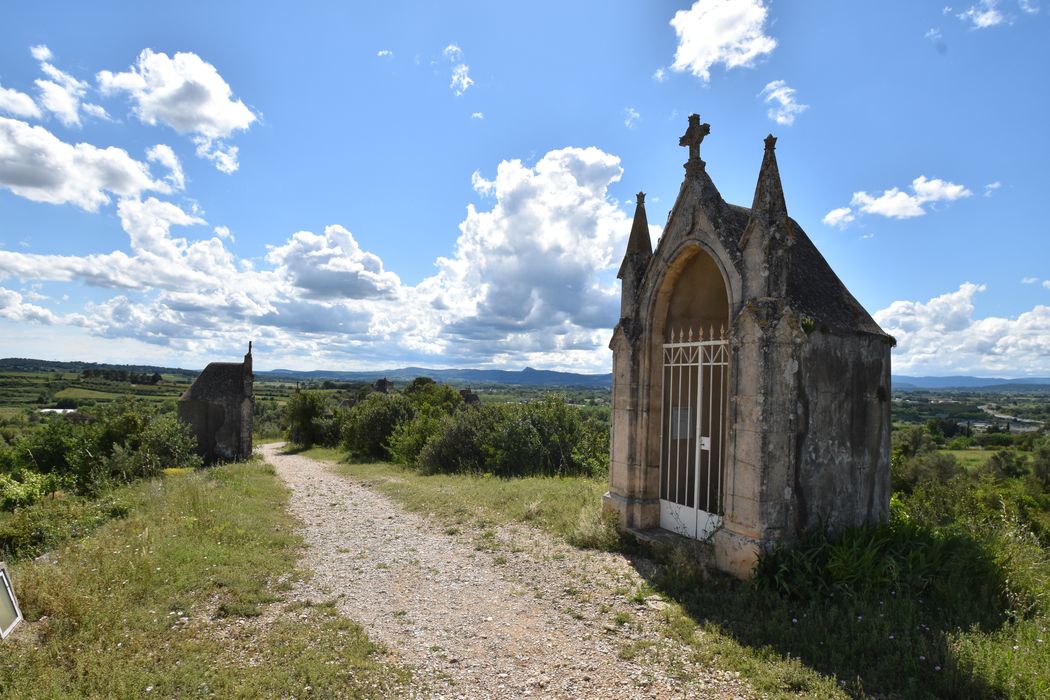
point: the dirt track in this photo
(508, 614)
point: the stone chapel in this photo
(751, 391)
(219, 407)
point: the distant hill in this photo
(524, 377)
(24, 364)
(963, 382)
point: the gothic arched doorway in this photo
(693, 383)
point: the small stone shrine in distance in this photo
(218, 407)
(751, 391)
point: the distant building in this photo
(384, 386)
(750, 396)
(218, 407)
(469, 397)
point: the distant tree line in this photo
(430, 427)
(121, 375)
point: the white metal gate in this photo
(693, 431)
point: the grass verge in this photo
(181, 598)
(569, 507)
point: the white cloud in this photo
(1046, 283)
(97, 111)
(332, 266)
(660, 75)
(934, 34)
(531, 281)
(727, 32)
(782, 97)
(896, 204)
(18, 103)
(37, 165)
(1030, 7)
(461, 79)
(1029, 280)
(991, 187)
(942, 336)
(631, 117)
(163, 154)
(384, 53)
(13, 308)
(61, 95)
(477, 115)
(188, 94)
(984, 14)
(840, 217)
(41, 52)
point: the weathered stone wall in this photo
(841, 476)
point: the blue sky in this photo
(452, 184)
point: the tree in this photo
(305, 411)
(370, 423)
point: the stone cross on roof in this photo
(693, 136)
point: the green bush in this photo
(369, 424)
(925, 466)
(539, 438)
(306, 411)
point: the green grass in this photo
(183, 598)
(567, 507)
(971, 460)
(77, 393)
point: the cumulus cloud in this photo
(784, 108)
(942, 336)
(531, 280)
(332, 266)
(532, 276)
(727, 32)
(660, 75)
(630, 117)
(18, 103)
(384, 53)
(187, 94)
(840, 217)
(37, 165)
(991, 187)
(477, 115)
(13, 308)
(897, 204)
(1029, 280)
(1030, 7)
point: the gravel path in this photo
(497, 613)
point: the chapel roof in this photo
(218, 381)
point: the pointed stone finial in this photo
(639, 245)
(249, 347)
(722, 330)
(690, 334)
(769, 193)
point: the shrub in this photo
(370, 424)
(925, 466)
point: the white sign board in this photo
(10, 615)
